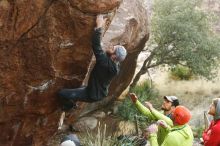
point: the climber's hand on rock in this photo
(133, 97)
(100, 21)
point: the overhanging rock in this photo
(45, 45)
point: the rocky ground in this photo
(89, 125)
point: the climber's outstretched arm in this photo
(96, 37)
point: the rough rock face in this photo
(45, 45)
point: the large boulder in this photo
(129, 28)
(85, 124)
(45, 45)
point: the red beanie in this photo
(181, 115)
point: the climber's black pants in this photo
(68, 97)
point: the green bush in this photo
(181, 73)
(127, 110)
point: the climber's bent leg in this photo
(74, 94)
(70, 96)
(66, 104)
(80, 94)
(66, 99)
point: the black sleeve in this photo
(100, 55)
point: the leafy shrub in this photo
(181, 73)
(127, 110)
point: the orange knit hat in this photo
(181, 115)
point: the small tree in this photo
(181, 33)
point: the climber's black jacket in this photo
(103, 72)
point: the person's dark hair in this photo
(175, 103)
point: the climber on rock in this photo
(106, 67)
